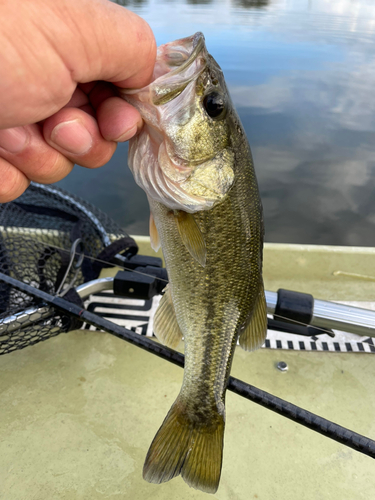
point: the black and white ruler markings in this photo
(138, 315)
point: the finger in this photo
(25, 149)
(113, 44)
(68, 42)
(118, 121)
(88, 109)
(78, 99)
(87, 87)
(100, 92)
(13, 182)
(76, 135)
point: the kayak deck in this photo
(80, 410)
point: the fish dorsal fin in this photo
(154, 235)
(166, 327)
(191, 236)
(254, 335)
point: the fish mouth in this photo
(179, 178)
(177, 53)
(177, 64)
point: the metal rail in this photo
(325, 315)
(336, 316)
(34, 314)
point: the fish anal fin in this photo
(154, 236)
(185, 446)
(165, 325)
(191, 236)
(254, 335)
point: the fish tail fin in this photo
(192, 449)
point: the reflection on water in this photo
(245, 4)
(197, 2)
(302, 76)
(251, 4)
(132, 4)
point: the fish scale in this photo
(208, 219)
(231, 237)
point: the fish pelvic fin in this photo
(154, 235)
(254, 335)
(166, 327)
(187, 447)
(191, 236)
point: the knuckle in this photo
(50, 167)
(99, 156)
(13, 182)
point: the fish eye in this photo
(214, 104)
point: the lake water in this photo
(302, 76)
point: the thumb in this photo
(108, 43)
(68, 42)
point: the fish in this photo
(193, 161)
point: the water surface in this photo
(302, 76)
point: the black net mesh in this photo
(36, 235)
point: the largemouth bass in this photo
(193, 161)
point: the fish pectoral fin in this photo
(154, 235)
(184, 446)
(254, 335)
(166, 327)
(191, 236)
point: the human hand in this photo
(59, 64)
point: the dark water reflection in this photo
(251, 4)
(302, 76)
(197, 2)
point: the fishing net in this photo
(37, 234)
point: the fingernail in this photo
(127, 135)
(72, 136)
(13, 140)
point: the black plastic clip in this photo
(141, 283)
(294, 306)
